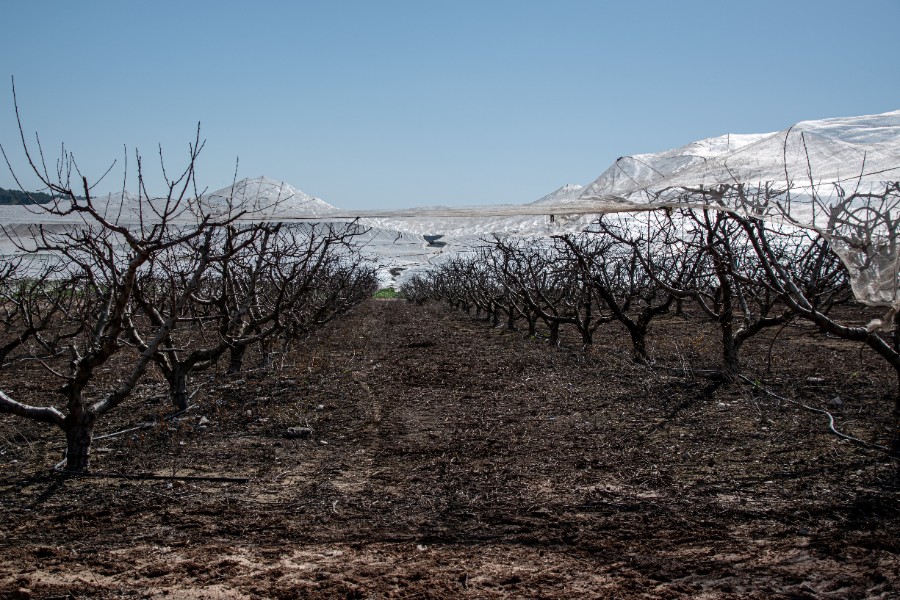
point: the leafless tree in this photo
(417, 288)
(504, 262)
(543, 283)
(158, 298)
(107, 254)
(577, 259)
(701, 254)
(623, 285)
(260, 276)
(865, 226)
(37, 301)
(316, 274)
(532, 285)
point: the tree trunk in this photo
(79, 428)
(587, 338)
(730, 346)
(237, 359)
(178, 393)
(638, 345)
(730, 356)
(265, 359)
(554, 332)
(511, 317)
(895, 441)
(532, 326)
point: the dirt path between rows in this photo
(448, 459)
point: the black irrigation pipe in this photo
(124, 431)
(828, 415)
(822, 411)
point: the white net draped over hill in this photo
(835, 176)
(831, 175)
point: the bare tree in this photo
(624, 285)
(37, 301)
(531, 283)
(865, 226)
(158, 298)
(546, 281)
(108, 254)
(417, 288)
(305, 276)
(577, 259)
(260, 276)
(701, 254)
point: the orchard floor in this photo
(450, 459)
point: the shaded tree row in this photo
(735, 251)
(629, 269)
(167, 283)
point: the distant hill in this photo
(16, 197)
(264, 197)
(839, 150)
(567, 193)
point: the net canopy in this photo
(836, 176)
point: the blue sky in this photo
(393, 104)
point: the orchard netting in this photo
(837, 177)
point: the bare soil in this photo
(449, 459)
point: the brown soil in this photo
(449, 459)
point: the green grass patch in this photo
(387, 294)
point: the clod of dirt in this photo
(299, 432)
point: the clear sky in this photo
(389, 103)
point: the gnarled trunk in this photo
(266, 350)
(178, 393)
(79, 428)
(730, 356)
(896, 442)
(554, 332)
(639, 345)
(895, 439)
(730, 346)
(587, 338)
(236, 362)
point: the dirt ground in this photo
(449, 459)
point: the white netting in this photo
(831, 175)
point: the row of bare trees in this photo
(631, 269)
(267, 284)
(179, 308)
(710, 248)
(167, 283)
